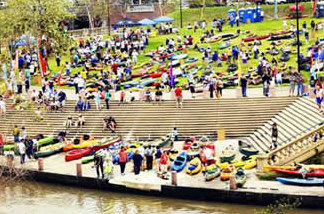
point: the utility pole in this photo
(180, 13)
(276, 9)
(298, 41)
(108, 13)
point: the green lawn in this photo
(190, 15)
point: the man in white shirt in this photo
(22, 151)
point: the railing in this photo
(295, 151)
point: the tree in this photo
(39, 18)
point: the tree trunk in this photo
(202, 11)
(89, 17)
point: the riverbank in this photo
(256, 192)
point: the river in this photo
(27, 197)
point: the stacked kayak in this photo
(9, 147)
(97, 144)
(49, 150)
(194, 166)
(302, 182)
(180, 162)
(87, 159)
(46, 141)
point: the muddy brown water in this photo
(28, 197)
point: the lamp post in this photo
(108, 18)
(297, 34)
(180, 13)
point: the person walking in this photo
(107, 98)
(164, 161)
(137, 159)
(149, 157)
(99, 162)
(30, 148)
(122, 160)
(243, 85)
(274, 136)
(178, 95)
(22, 151)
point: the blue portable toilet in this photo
(232, 13)
(258, 15)
(242, 15)
(250, 14)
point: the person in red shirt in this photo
(1, 144)
(164, 161)
(122, 160)
(178, 95)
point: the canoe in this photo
(248, 151)
(147, 83)
(191, 60)
(240, 177)
(231, 37)
(295, 172)
(173, 154)
(224, 45)
(180, 162)
(194, 166)
(77, 153)
(302, 182)
(212, 172)
(226, 173)
(46, 141)
(175, 63)
(250, 39)
(87, 159)
(179, 56)
(9, 147)
(49, 150)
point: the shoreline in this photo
(239, 196)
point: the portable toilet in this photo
(258, 17)
(250, 14)
(232, 13)
(319, 10)
(242, 15)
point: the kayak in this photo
(272, 168)
(250, 39)
(46, 141)
(212, 172)
(9, 147)
(49, 150)
(179, 56)
(194, 166)
(87, 159)
(247, 151)
(105, 143)
(202, 152)
(302, 182)
(191, 60)
(224, 45)
(173, 154)
(226, 173)
(77, 153)
(240, 177)
(250, 164)
(227, 157)
(295, 172)
(180, 162)
(186, 145)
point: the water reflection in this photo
(35, 198)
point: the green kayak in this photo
(240, 177)
(49, 150)
(9, 147)
(46, 141)
(87, 159)
(212, 173)
(44, 154)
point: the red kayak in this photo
(187, 145)
(202, 152)
(296, 172)
(77, 153)
(106, 144)
(281, 33)
(250, 39)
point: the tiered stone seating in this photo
(239, 117)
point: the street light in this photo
(298, 41)
(180, 13)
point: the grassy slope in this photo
(191, 15)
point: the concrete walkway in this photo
(227, 93)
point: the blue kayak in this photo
(191, 60)
(302, 182)
(179, 162)
(179, 56)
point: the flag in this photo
(171, 76)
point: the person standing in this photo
(107, 98)
(243, 85)
(178, 95)
(149, 157)
(122, 160)
(274, 135)
(98, 162)
(164, 161)
(16, 134)
(292, 80)
(2, 108)
(22, 151)
(137, 159)
(158, 154)
(300, 85)
(30, 148)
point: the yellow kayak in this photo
(273, 168)
(55, 146)
(87, 144)
(173, 154)
(194, 166)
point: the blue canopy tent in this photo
(22, 41)
(162, 19)
(147, 22)
(126, 23)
